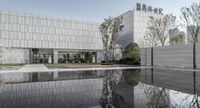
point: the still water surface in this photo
(145, 88)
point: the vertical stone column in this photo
(194, 56)
(152, 57)
(99, 56)
(30, 56)
(55, 75)
(55, 56)
(143, 57)
(93, 59)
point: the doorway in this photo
(43, 56)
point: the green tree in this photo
(110, 30)
(191, 21)
(132, 77)
(3, 51)
(158, 30)
(132, 51)
(177, 40)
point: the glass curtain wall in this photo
(42, 56)
(77, 57)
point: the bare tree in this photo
(158, 30)
(194, 101)
(191, 21)
(157, 97)
(110, 31)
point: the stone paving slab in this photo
(33, 67)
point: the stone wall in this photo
(187, 82)
(146, 56)
(171, 56)
(174, 56)
(16, 56)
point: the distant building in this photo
(41, 39)
(134, 24)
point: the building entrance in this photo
(77, 57)
(42, 56)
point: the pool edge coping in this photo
(73, 69)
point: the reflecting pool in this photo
(144, 88)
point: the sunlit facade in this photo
(134, 25)
(41, 39)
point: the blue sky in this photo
(91, 10)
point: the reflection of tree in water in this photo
(157, 97)
(132, 77)
(110, 99)
(195, 102)
(190, 101)
(184, 100)
(2, 82)
(87, 74)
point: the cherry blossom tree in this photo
(117, 52)
(3, 50)
(109, 30)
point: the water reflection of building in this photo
(116, 88)
(140, 98)
(119, 90)
(181, 87)
(72, 91)
(183, 81)
(69, 89)
(49, 76)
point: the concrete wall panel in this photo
(174, 56)
(143, 56)
(16, 56)
(146, 56)
(55, 56)
(30, 31)
(171, 56)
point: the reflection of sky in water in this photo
(99, 89)
(183, 100)
(176, 99)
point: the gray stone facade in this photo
(134, 26)
(171, 56)
(16, 56)
(23, 32)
